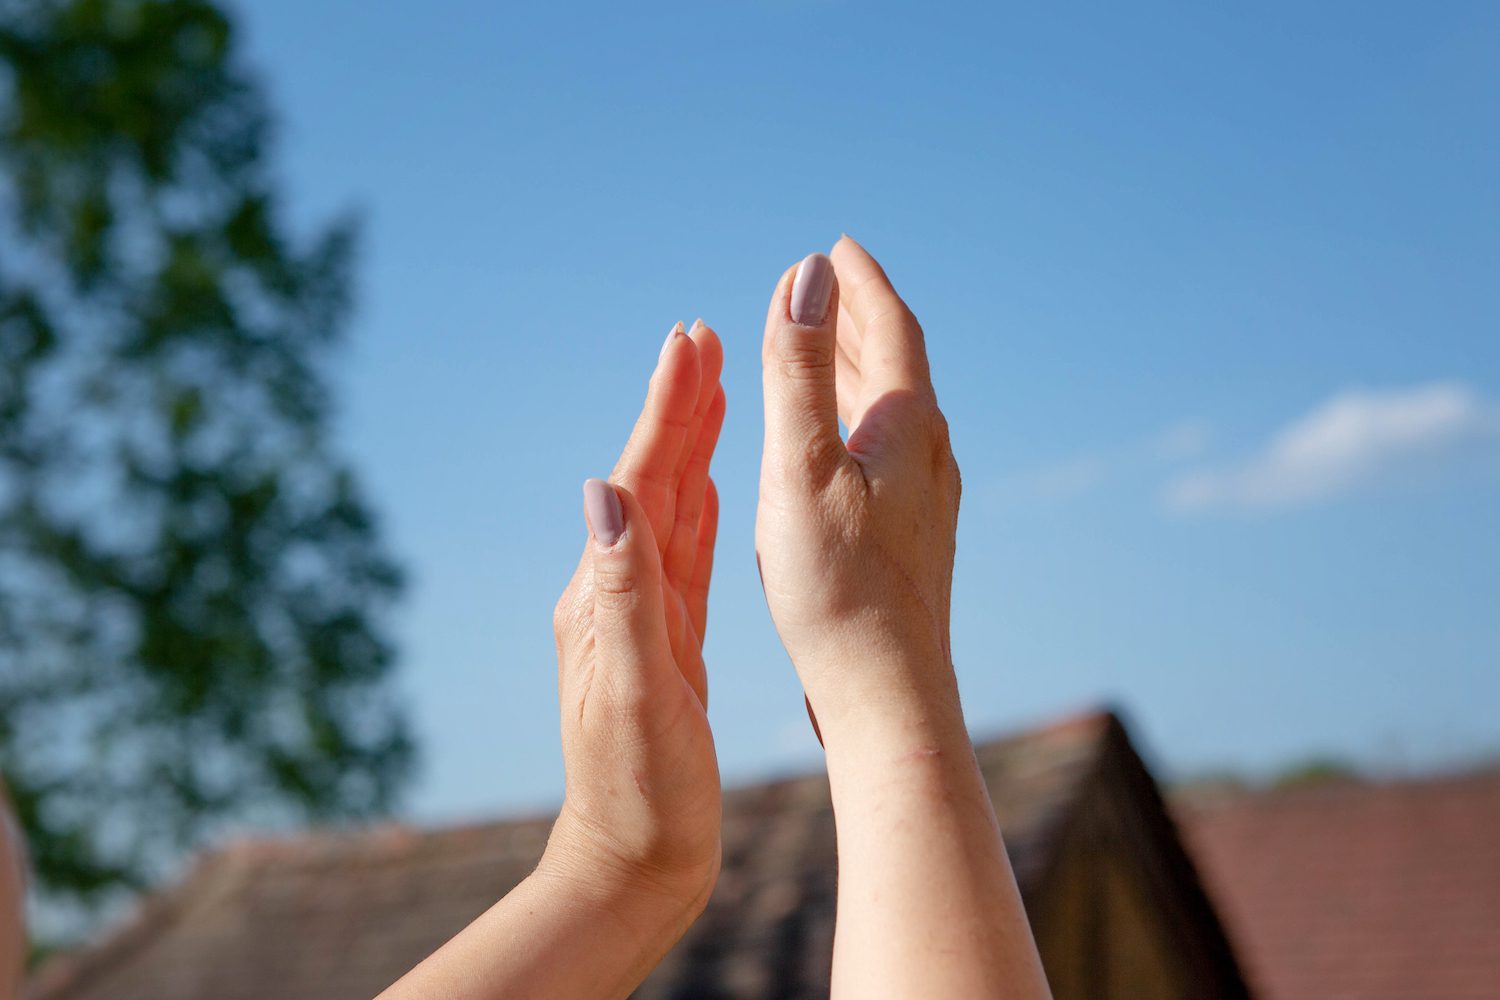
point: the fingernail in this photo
(811, 289)
(601, 504)
(672, 335)
(697, 325)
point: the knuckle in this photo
(615, 585)
(940, 440)
(696, 470)
(939, 424)
(894, 313)
(812, 458)
(567, 617)
(806, 358)
(874, 289)
(938, 432)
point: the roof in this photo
(333, 916)
(1358, 891)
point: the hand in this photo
(856, 551)
(856, 541)
(635, 851)
(642, 801)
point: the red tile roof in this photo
(1357, 891)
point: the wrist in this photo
(651, 895)
(917, 757)
(871, 699)
(878, 738)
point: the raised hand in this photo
(855, 543)
(635, 850)
(665, 464)
(642, 781)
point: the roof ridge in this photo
(153, 914)
(1067, 741)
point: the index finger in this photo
(892, 350)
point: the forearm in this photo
(927, 902)
(565, 932)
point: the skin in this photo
(12, 899)
(635, 851)
(856, 542)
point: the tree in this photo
(191, 585)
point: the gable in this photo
(341, 916)
(1122, 913)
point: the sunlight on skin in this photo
(665, 464)
(635, 850)
(856, 545)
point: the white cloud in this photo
(1074, 477)
(1181, 442)
(1353, 440)
(1066, 479)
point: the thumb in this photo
(632, 651)
(797, 360)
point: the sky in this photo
(1210, 296)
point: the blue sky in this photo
(1211, 298)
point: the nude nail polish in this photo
(601, 505)
(672, 335)
(811, 290)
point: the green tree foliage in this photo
(1316, 771)
(191, 587)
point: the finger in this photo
(710, 366)
(682, 548)
(694, 670)
(686, 646)
(572, 615)
(850, 338)
(892, 353)
(799, 375)
(703, 562)
(632, 652)
(849, 383)
(710, 351)
(848, 386)
(648, 466)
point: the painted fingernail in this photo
(672, 335)
(811, 289)
(601, 505)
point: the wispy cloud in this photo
(1081, 474)
(1181, 442)
(1061, 480)
(1353, 440)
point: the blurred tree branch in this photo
(191, 585)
